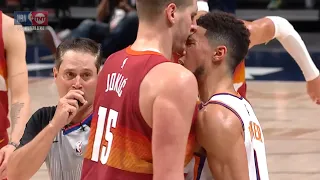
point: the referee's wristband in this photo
(13, 144)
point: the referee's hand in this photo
(68, 107)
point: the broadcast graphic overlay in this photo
(31, 20)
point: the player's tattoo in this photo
(15, 113)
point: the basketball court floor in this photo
(289, 119)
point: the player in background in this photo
(227, 128)
(264, 30)
(13, 77)
(142, 110)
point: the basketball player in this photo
(227, 127)
(13, 77)
(264, 30)
(58, 135)
(143, 110)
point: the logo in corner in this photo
(34, 20)
(78, 149)
(39, 18)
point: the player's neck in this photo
(81, 115)
(215, 82)
(153, 38)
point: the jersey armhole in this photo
(148, 66)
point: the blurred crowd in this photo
(116, 22)
(277, 4)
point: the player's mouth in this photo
(181, 62)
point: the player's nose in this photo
(182, 59)
(77, 83)
(193, 28)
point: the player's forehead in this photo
(199, 34)
(77, 60)
(192, 6)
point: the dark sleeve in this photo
(38, 121)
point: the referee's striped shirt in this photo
(64, 160)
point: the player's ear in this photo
(170, 12)
(219, 53)
(55, 72)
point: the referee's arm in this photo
(34, 147)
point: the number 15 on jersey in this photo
(111, 122)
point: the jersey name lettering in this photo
(116, 82)
(255, 131)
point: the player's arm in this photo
(15, 46)
(265, 29)
(220, 133)
(103, 10)
(261, 31)
(173, 110)
(34, 147)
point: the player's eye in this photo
(193, 15)
(69, 75)
(189, 42)
(86, 76)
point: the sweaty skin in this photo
(17, 74)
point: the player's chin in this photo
(179, 48)
(188, 66)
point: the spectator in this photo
(114, 32)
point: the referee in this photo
(58, 135)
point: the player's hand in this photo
(68, 107)
(313, 89)
(5, 154)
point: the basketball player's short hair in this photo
(225, 29)
(150, 9)
(84, 45)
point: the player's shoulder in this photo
(8, 23)
(11, 32)
(222, 117)
(168, 79)
(175, 73)
(7, 19)
(116, 55)
(174, 77)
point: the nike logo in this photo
(1, 140)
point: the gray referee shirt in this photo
(64, 160)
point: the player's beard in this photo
(199, 72)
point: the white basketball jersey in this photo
(254, 140)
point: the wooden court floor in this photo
(290, 121)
